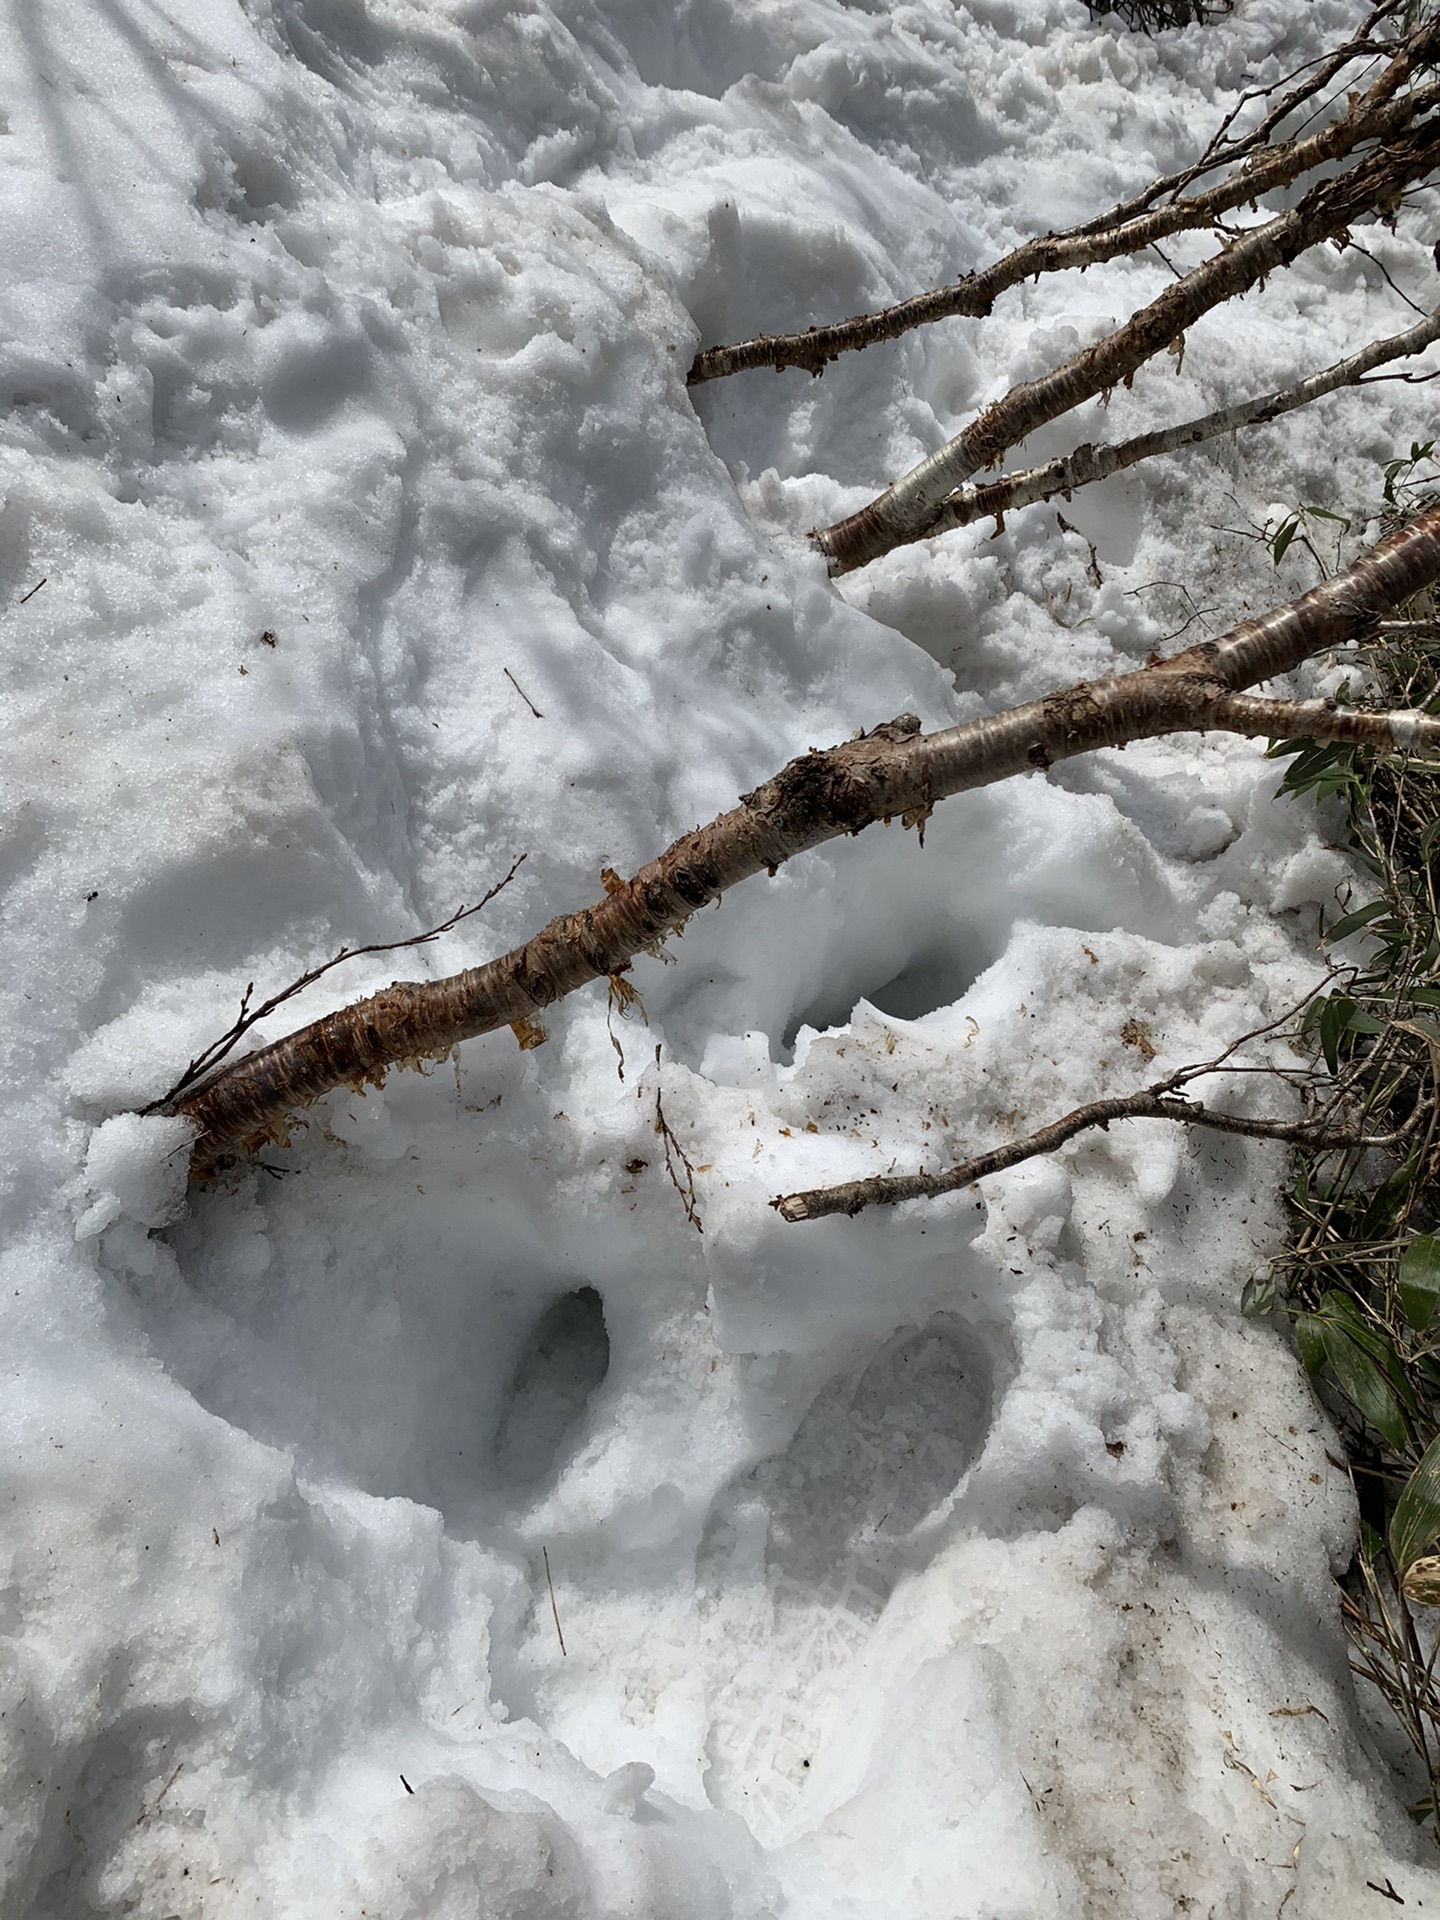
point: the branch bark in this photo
(1090, 463)
(895, 771)
(1126, 229)
(909, 507)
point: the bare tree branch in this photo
(1323, 721)
(911, 504)
(1223, 149)
(1126, 229)
(206, 1061)
(1162, 1101)
(1090, 463)
(893, 772)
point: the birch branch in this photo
(1325, 723)
(1325, 211)
(1089, 463)
(1223, 149)
(893, 772)
(1127, 229)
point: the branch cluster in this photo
(1359, 166)
(893, 772)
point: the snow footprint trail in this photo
(802, 1553)
(360, 326)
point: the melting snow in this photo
(971, 1561)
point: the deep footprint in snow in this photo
(801, 1555)
(566, 1360)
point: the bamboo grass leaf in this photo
(1334, 1019)
(1415, 1525)
(1420, 1280)
(1353, 922)
(1363, 1385)
(1309, 1338)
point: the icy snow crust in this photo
(968, 1562)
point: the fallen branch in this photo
(910, 506)
(1090, 463)
(1126, 229)
(1163, 1101)
(209, 1058)
(893, 772)
(1223, 149)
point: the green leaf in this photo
(1309, 1338)
(1353, 922)
(1324, 513)
(1363, 1384)
(1415, 1525)
(1313, 764)
(1258, 1297)
(1335, 1305)
(1371, 1340)
(1420, 1280)
(1283, 538)
(1383, 1209)
(1334, 1018)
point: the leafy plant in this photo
(1361, 1277)
(1301, 520)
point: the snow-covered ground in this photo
(966, 1563)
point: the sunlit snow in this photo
(970, 1562)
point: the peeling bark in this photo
(889, 773)
(909, 507)
(1126, 229)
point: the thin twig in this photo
(159, 1801)
(554, 1610)
(210, 1057)
(1162, 1100)
(522, 693)
(675, 1152)
(1159, 1102)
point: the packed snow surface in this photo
(970, 1562)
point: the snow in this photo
(972, 1560)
